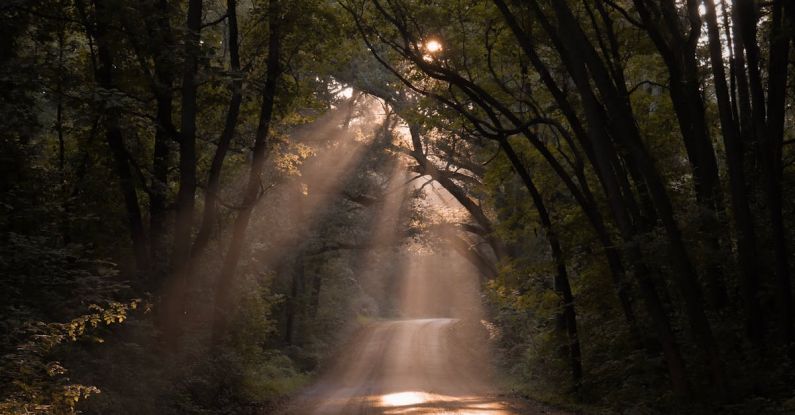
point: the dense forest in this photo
(202, 201)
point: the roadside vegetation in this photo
(201, 200)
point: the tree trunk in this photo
(223, 303)
(115, 139)
(292, 302)
(742, 218)
(567, 319)
(228, 133)
(625, 129)
(457, 192)
(606, 178)
(164, 133)
(59, 130)
(187, 143)
(771, 150)
(678, 51)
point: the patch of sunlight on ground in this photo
(421, 403)
(403, 399)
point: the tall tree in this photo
(233, 112)
(187, 141)
(223, 302)
(98, 29)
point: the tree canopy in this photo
(201, 200)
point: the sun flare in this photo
(433, 46)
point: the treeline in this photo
(193, 171)
(228, 180)
(646, 143)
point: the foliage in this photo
(34, 383)
(628, 216)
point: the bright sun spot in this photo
(403, 399)
(347, 92)
(433, 46)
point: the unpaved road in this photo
(406, 367)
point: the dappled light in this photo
(397, 207)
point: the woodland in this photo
(201, 200)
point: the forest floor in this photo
(420, 366)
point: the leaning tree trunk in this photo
(567, 316)
(223, 303)
(214, 178)
(474, 210)
(596, 155)
(678, 50)
(626, 130)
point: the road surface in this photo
(418, 366)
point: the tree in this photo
(253, 186)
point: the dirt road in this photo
(406, 367)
